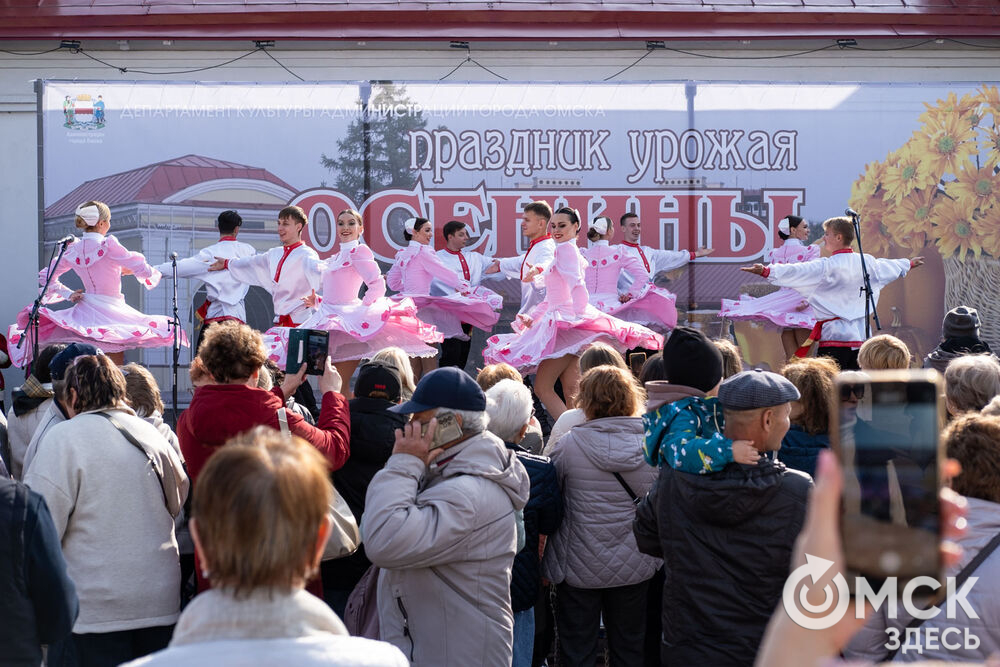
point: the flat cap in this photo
(755, 389)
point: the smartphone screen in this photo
(636, 361)
(889, 446)
(316, 352)
(309, 347)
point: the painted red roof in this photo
(154, 183)
(495, 19)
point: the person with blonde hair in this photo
(596, 355)
(884, 352)
(490, 374)
(396, 357)
(99, 314)
(830, 286)
(971, 382)
(259, 522)
(142, 393)
(809, 432)
(593, 558)
(732, 362)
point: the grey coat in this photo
(594, 547)
(445, 537)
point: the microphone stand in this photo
(31, 330)
(866, 288)
(177, 339)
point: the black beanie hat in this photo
(692, 360)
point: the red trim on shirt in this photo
(842, 250)
(694, 255)
(528, 252)
(766, 272)
(287, 250)
(465, 265)
(642, 255)
(286, 321)
(228, 238)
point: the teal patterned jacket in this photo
(687, 435)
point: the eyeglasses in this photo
(847, 389)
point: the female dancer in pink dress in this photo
(358, 327)
(553, 334)
(785, 309)
(416, 267)
(99, 314)
(644, 303)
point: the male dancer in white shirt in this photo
(654, 260)
(469, 265)
(541, 249)
(281, 270)
(830, 285)
(224, 293)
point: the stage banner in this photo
(714, 165)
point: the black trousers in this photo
(845, 357)
(578, 617)
(105, 649)
(455, 352)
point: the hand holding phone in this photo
(309, 347)
(887, 438)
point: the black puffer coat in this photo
(726, 540)
(542, 516)
(372, 438)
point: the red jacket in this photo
(220, 411)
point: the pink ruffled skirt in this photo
(554, 335)
(653, 307)
(106, 322)
(447, 313)
(780, 309)
(358, 330)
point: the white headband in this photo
(410, 225)
(783, 226)
(600, 225)
(90, 214)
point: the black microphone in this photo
(67, 239)
(851, 212)
(173, 257)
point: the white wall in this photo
(335, 61)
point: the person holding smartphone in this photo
(441, 521)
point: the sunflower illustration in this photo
(871, 213)
(965, 108)
(909, 223)
(905, 173)
(990, 224)
(975, 188)
(990, 144)
(956, 231)
(869, 181)
(990, 96)
(946, 143)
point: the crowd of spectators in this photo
(656, 524)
